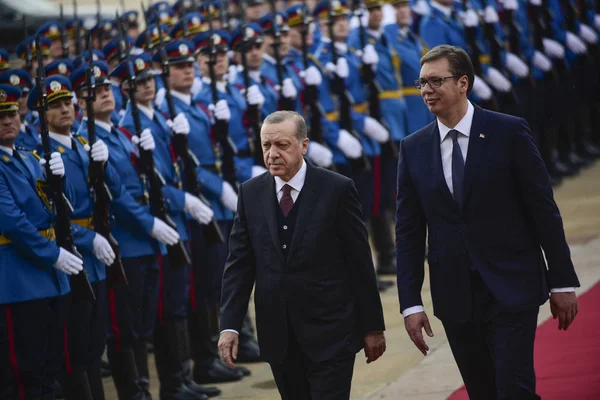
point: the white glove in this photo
(510, 4)
(575, 44)
(319, 154)
(497, 80)
(341, 69)
(196, 86)
(516, 65)
(481, 89)
(68, 263)
(145, 141)
(180, 125)
(370, 56)
(375, 130)
(490, 16)
(553, 48)
(57, 167)
(312, 76)
(536, 2)
(349, 145)
(162, 232)
(121, 113)
(469, 18)
(197, 209)
(221, 110)
(421, 7)
(588, 34)
(255, 97)
(232, 72)
(160, 96)
(102, 249)
(228, 197)
(288, 90)
(99, 151)
(540, 61)
(597, 21)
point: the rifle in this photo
(344, 98)
(81, 289)
(253, 113)
(99, 192)
(511, 31)
(389, 150)
(78, 49)
(177, 254)
(284, 102)
(148, 33)
(220, 127)
(100, 28)
(28, 56)
(223, 15)
(63, 35)
(212, 231)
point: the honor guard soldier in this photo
(255, 9)
(52, 31)
(215, 8)
(4, 64)
(132, 309)
(33, 267)
(27, 52)
(65, 68)
(192, 24)
(86, 322)
(161, 13)
(102, 33)
(132, 24)
(112, 56)
(170, 333)
(28, 138)
(72, 26)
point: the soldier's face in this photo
(341, 28)
(296, 37)
(181, 78)
(9, 127)
(56, 49)
(282, 151)
(375, 18)
(105, 101)
(60, 114)
(254, 12)
(443, 100)
(146, 89)
(133, 32)
(285, 40)
(254, 57)
(221, 65)
(403, 14)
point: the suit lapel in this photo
(270, 211)
(438, 169)
(476, 150)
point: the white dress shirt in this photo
(186, 98)
(64, 140)
(107, 126)
(148, 112)
(444, 9)
(7, 150)
(464, 129)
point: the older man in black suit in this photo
(299, 234)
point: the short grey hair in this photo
(279, 116)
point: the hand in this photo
(375, 130)
(319, 154)
(228, 347)
(197, 209)
(370, 56)
(312, 76)
(102, 249)
(498, 81)
(516, 65)
(255, 97)
(342, 69)
(490, 16)
(563, 306)
(481, 89)
(68, 262)
(220, 110)
(121, 113)
(536, 2)
(288, 90)
(349, 145)
(540, 61)
(228, 197)
(232, 72)
(160, 96)
(374, 345)
(162, 232)
(414, 323)
(57, 167)
(575, 44)
(597, 21)
(553, 48)
(588, 34)
(469, 18)
(99, 151)
(421, 7)
(510, 4)
(196, 86)
(180, 125)
(145, 141)
(258, 170)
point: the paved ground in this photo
(403, 373)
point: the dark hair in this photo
(458, 60)
(279, 116)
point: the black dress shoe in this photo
(207, 391)
(183, 392)
(215, 371)
(555, 180)
(58, 392)
(244, 371)
(384, 285)
(579, 160)
(560, 169)
(248, 351)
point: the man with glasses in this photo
(473, 181)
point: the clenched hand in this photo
(374, 345)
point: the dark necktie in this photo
(458, 168)
(286, 203)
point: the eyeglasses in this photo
(434, 83)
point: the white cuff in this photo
(412, 310)
(229, 330)
(562, 290)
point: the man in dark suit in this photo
(474, 182)
(299, 234)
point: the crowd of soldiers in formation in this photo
(157, 128)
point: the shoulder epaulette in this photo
(35, 154)
(81, 139)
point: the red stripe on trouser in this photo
(192, 290)
(13, 352)
(377, 187)
(161, 300)
(112, 305)
(68, 366)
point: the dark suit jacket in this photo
(327, 287)
(508, 216)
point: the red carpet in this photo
(567, 363)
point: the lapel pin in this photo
(481, 136)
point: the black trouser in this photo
(494, 350)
